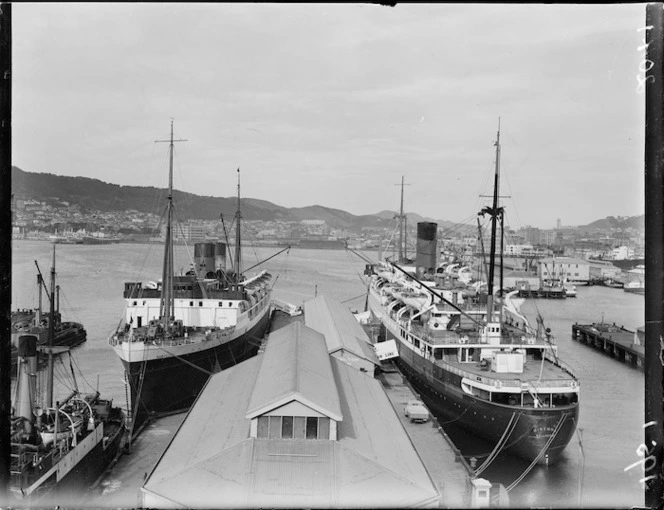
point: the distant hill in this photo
(609, 222)
(414, 218)
(93, 194)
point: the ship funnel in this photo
(27, 373)
(204, 259)
(427, 247)
(220, 256)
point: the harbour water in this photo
(591, 472)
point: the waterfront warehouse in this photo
(293, 427)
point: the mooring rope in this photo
(541, 453)
(499, 446)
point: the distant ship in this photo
(67, 237)
(473, 357)
(57, 448)
(178, 331)
(636, 283)
(37, 322)
(99, 238)
(322, 243)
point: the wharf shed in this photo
(521, 280)
(572, 268)
(602, 269)
(344, 336)
(292, 427)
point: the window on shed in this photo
(287, 427)
(275, 427)
(323, 428)
(262, 426)
(312, 427)
(298, 427)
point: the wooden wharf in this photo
(615, 341)
(542, 293)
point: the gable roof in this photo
(340, 328)
(212, 461)
(295, 367)
(312, 474)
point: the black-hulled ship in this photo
(474, 357)
(58, 449)
(178, 331)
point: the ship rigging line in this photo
(194, 365)
(499, 446)
(353, 298)
(361, 255)
(541, 453)
(270, 257)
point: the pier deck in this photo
(119, 487)
(442, 460)
(613, 340)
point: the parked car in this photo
(416, 411)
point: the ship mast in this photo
(402, 226)
(494, 212)
(51, 334)
(238, 248)
(167, 304)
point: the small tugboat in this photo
(473, 357)
(37, 322)
(178, 331)
(57, 448)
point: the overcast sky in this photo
(331, 104)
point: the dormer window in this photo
(293, 427)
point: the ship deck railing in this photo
(19, 461)
(527, 380)
(470, 336)
(194, 338)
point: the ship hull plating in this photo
(171, 384)
(488, 420)
(70, 487)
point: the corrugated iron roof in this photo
(340, 328)
(295, 366)
(373, 429)
(281, 473)
(215, 423)
(212, 461)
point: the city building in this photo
(622, 253)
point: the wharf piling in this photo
(615, 341)
(542, 293)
